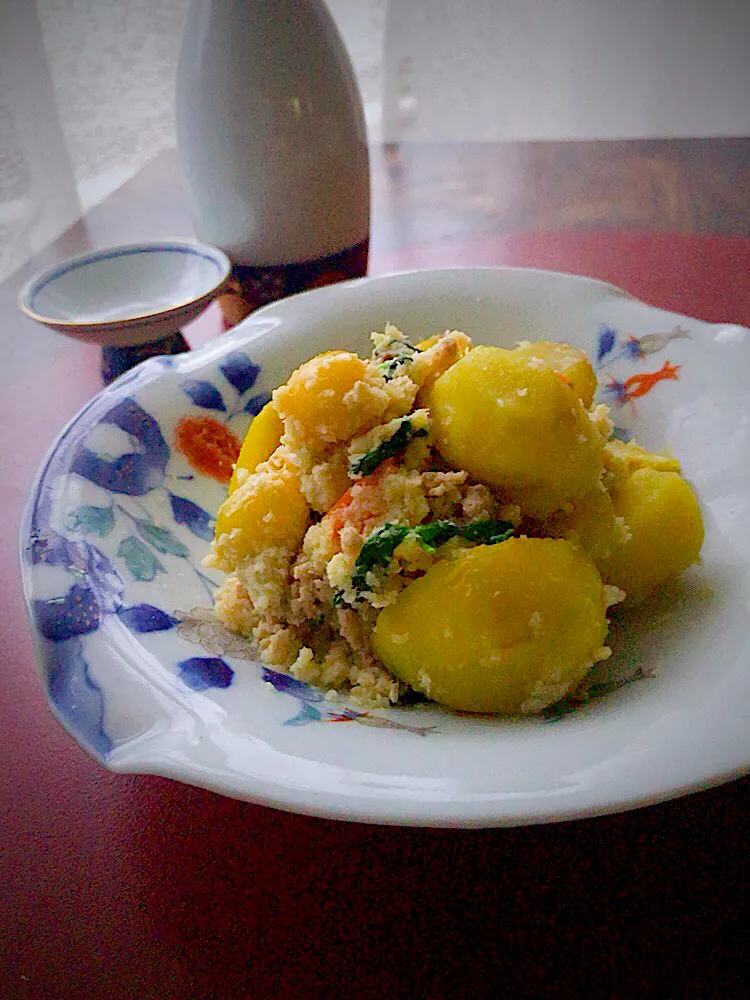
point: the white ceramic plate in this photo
(135, 669)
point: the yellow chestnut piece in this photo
(261, 441)
(573, 365)
(268, 510)
(436, 358)
(621, 459)
(315, 397)
(666, 532)
(506, 628)
(519, 429)
(592, 524)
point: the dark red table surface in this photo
(119, 886)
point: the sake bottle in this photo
(272, 145)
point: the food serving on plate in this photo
(444, 520)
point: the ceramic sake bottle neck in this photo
(270, 131)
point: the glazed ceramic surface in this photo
(270, 131)
(140, 673)
(128, 294)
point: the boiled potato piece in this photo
(268, 510)
(517, 428)
(319, 397)
(567, 361)
(506, 628)
(666, 532)
(261, 441)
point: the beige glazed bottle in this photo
(272, 146)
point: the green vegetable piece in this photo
(395, 355)
(377, 551)
(386, 350)
(381, 544)
(404, 434)
(487, 532)
(435, 533)
(392, 367)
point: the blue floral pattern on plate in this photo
(102, 552)
(620, 390)
(611, 348)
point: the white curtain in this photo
(86, 86)
(86, 100)
(38, 195)
(566, 69)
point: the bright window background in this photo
(86, 86)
